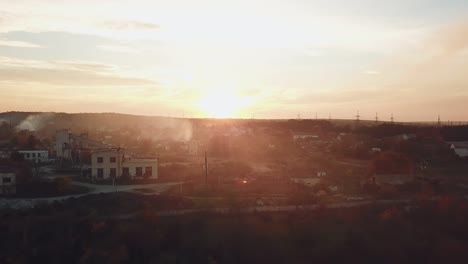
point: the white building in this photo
(306, 181)
(376, 150)
(297, 136)
(7, 181)
(110, 163)
(321, 173)
(36, 156)
(460, 149)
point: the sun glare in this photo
(223, 104)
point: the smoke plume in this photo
(35, 122)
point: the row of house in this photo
(36, 156)
(32, 155)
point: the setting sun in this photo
(223, 104)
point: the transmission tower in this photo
(358, 116)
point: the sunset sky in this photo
(271, 59)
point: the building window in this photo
(100, 160)
(149, 171)
(28, 155)
(34, 155)
(113, 172)
(113, 160)
(100, 173)
(125, 171)
(7, 180)
(38, 155)
(139, 171)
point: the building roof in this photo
(33, 150)
(108, 150)
(459, 145)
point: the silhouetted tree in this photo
(390, 162)
(32, 142)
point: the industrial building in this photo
(114, 163)
(106, 161)
(74, 148)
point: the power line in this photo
(358, 117)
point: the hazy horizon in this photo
(237, 59)
(351, 119)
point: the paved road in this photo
(285, 208)
(100, 188)
(24, 203)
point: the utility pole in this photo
(392, 119)
(376, 117)
(438, 120)
(206, 172)
(219, 182)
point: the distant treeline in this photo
(80, 122)
(448, 133)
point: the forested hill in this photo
(37, 121)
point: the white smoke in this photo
(170, 129)
(181, 129)
(35, 122)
